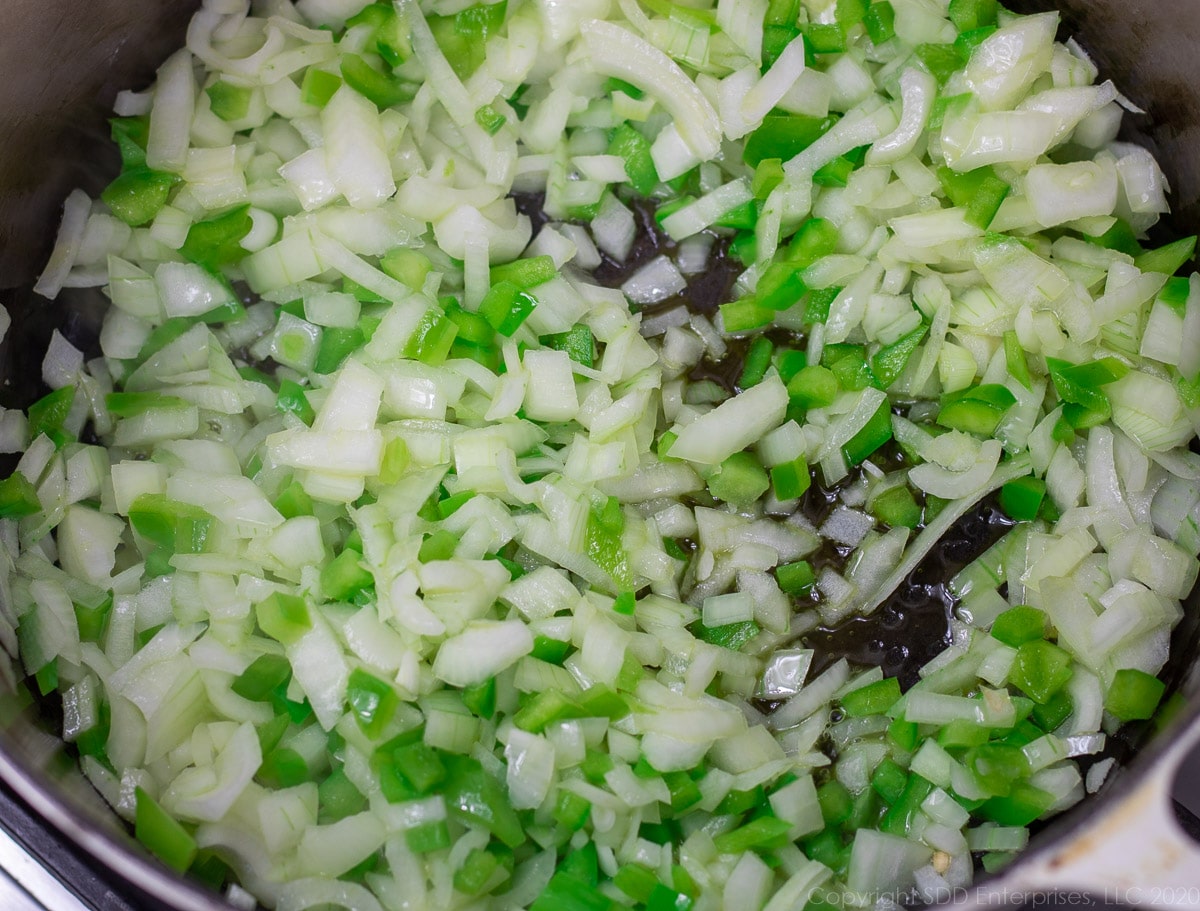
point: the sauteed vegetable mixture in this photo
(399, 548)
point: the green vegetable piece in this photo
(476, 798)
(450, 505)
(740, 480)
(18, 497)
(636, 881)
(979, 191)
(568, 893)
(344, 577)
(546, 707)
(421, 765)
(1020, 807)
(130, 135)
(129, 404)
(976, 409)
(217, 241)
(888, 363)
(283, 617)
(904, 734)
(824, 38)
(791, 479)
(813, 386)
(505, 307)
(1014, 356)
(480, 698)
(876, 432)
(625, 603)
(1019, 625)
(784, 136)
(578, 342)
(229, 101)
(292, 399)
(338, 798)
(138, 193)
(602, 543)
(813, 240)
(997, 767)
(880, 22)
(780, 287)
(767, 176)
(962, 734)
(889, 781)
(427, 837)
(262, 678)
(745, 315)
(789, 362)
(161, 834)
(900, 815)
(490, 119)
(294, 501)
(598, 701)
(757, 360)
(1168, 259)
(1022, 499)
(873, 699)
(796, 578)
(834, 174)
(765, 831)
(967, 41)
(438, 546)
(476, 872)
(897, 507)
(173, 526)
(48, 414)
(730, 635)
(972, 14)
(1134, 695)
(1040, 670)
(836, 802)
(684, 791)
(431, 340)
(850, 12)
(572, 811)
(525, 273)
(382, 89)
(372, 701)
(849, 366)
(1053, 712)
(408, 266)
(664, 899)
(318, 86)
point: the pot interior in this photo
(63, 64)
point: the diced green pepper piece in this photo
(262, 678)
(428, 837)
(372, 701)
(505, 307)
(791, 479)
(873, 699)
(972, 14)
(876, 432)
(780, 287)
(730, 635)
(825, 38)
(344, 577)
(283, 617)
(1134, 694)
(813, 386)
(836, 802)
(169, 524)
(904, 734)
(979, 191)
(48, 414)
(761, 832)
(745, 315)
(997, 767)
(524, 273)
(756, 362)
(229, 101)
(784, 136)
(889, 781)
(338, 798)
(18, 497)
(813, 240)
(1020, 807)
(880, 22)
(481, 698)
(130, 135)
(578, 342)
(1022, 499)
(1054, 712)
(476, 798)
(888, 363)
(635, 881)
(138, 193)
(739, 480)
(294, 501)
(1019, 625)
(897, 507)
(795, 578)
(217, 241)
(1040, 670)
(162, 835)
(382, 89)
